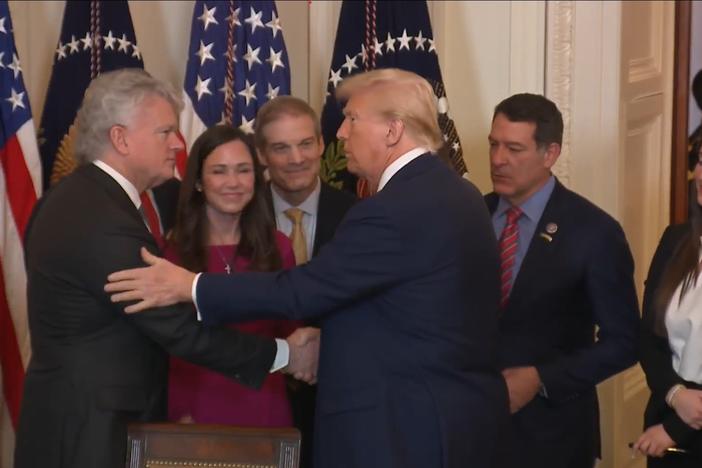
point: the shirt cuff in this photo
(282, 355)
(193, 293)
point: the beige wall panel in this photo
(644, 45)
(641, 188)
(323, 22)
(295, 19)
(473, 43)
(162, 31)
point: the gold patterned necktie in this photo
(297, 236)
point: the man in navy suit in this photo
(289, 143)
(407, 293)
(565, 267)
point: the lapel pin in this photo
(545, 236)
(551, 228)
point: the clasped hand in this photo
(654, 441)
(304, 354)
(688, 404)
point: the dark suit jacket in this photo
(333, 205)
(408, 293)
(656, 357)
(583, 277)
(93, 368)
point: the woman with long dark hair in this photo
(671, 344)
(224, 225)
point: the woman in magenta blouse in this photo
(224, 225)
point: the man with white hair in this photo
(407, 293)
(93, 368)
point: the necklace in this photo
(227, 267)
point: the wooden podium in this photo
(171, 445)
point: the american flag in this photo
(378, 34)
(20, 186)
(237, 61)
(96, 37)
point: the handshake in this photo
(304, 354)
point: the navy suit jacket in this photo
(407, 291)
(580, 278)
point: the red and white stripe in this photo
(20, 187)
(508, 252)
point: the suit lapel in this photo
(543, 247)
(325, 228)
(119, 197)
(418, 166)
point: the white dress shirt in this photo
(127, 186)
(398, 164)
(683, 320)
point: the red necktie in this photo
(151, 217)
(508, 252)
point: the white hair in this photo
(111, 99)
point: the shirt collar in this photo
(308, 206)
(127, 186)
(398, 164)
(534, 206)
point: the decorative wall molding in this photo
(559, 74)
(646, 61)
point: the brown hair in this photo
(536, 109)
(683, 268)
(189, 237)
(276, 108)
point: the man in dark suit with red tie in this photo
(565, 268)
(94, 369)
(406, 291)
(306, 209)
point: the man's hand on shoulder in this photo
(304, 354)
(160, 284)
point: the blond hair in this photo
(402, 95)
